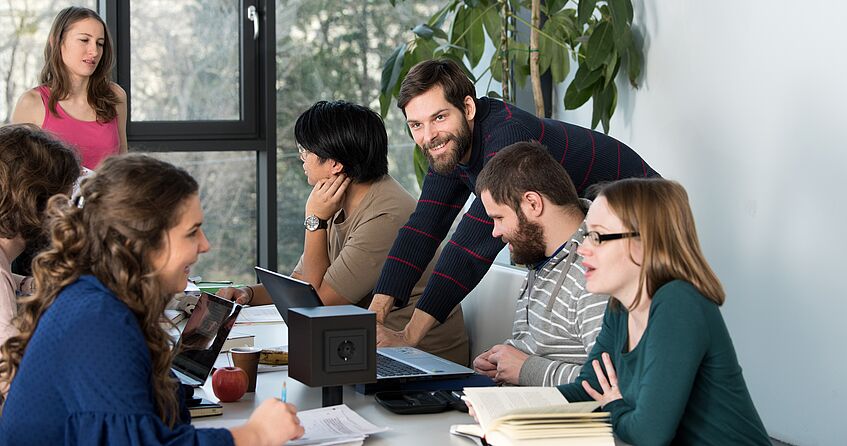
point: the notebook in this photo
(393, 364)
(202, 338)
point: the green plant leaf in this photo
(586, 10)
(494, 94)
(599, 45)
(585, 77)
(493, 23)
(391, 70)
(621, 21)
(611, 68)
(496, 69)
(427, 32)
(575, 98)
(446, 48)
(634, 61)
(567, 19)
(519, 61)
(384, 104)
(605, 100)
(553, 6)
(560, 65)
(597, 107)
(424, 31)
(421, 164)
(475, 38)
(457, 32)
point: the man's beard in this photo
(527, 242)
(448, 162)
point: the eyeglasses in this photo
(598, 238)
(302, 152)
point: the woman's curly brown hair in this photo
(34, 166)
(113, 231)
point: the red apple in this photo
(229, 383)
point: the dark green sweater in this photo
(682, 383)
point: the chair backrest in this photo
(489, 309)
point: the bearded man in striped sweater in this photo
(459, 134)
(537, 212)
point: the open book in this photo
(534, 416)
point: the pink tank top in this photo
(94, 141)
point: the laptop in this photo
(394, 364)
(202, 338)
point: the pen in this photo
(284, 392)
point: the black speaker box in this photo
(331, 346)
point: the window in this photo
(197, 74)
(229, 207)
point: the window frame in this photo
(255, 131)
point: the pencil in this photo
(284, 392)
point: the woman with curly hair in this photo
(91, 364)
(33, 167)
(77, 101)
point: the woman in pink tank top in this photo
(76, 100)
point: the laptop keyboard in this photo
(387, 367)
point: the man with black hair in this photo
(459, 133)
(351, 219)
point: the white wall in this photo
(742, 101)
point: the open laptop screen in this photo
(204, 335)
(287, 292)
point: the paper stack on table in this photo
(334, 425)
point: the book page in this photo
(491, 403)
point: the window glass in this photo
(24, 26)
(228, 195)
(184, 61)
(328, 50)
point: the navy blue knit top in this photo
(85, 378)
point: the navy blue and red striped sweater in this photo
(589, 157)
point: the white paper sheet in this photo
(258, 314)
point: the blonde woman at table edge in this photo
(91, 364)
(76, 99)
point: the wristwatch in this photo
(313, 223)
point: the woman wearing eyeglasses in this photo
(663, 365)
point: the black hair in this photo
(348, 133)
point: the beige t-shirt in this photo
(358, 245)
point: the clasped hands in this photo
(502, 363)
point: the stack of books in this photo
(534, 416)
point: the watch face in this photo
(311, 222)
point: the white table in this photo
(410, 430)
